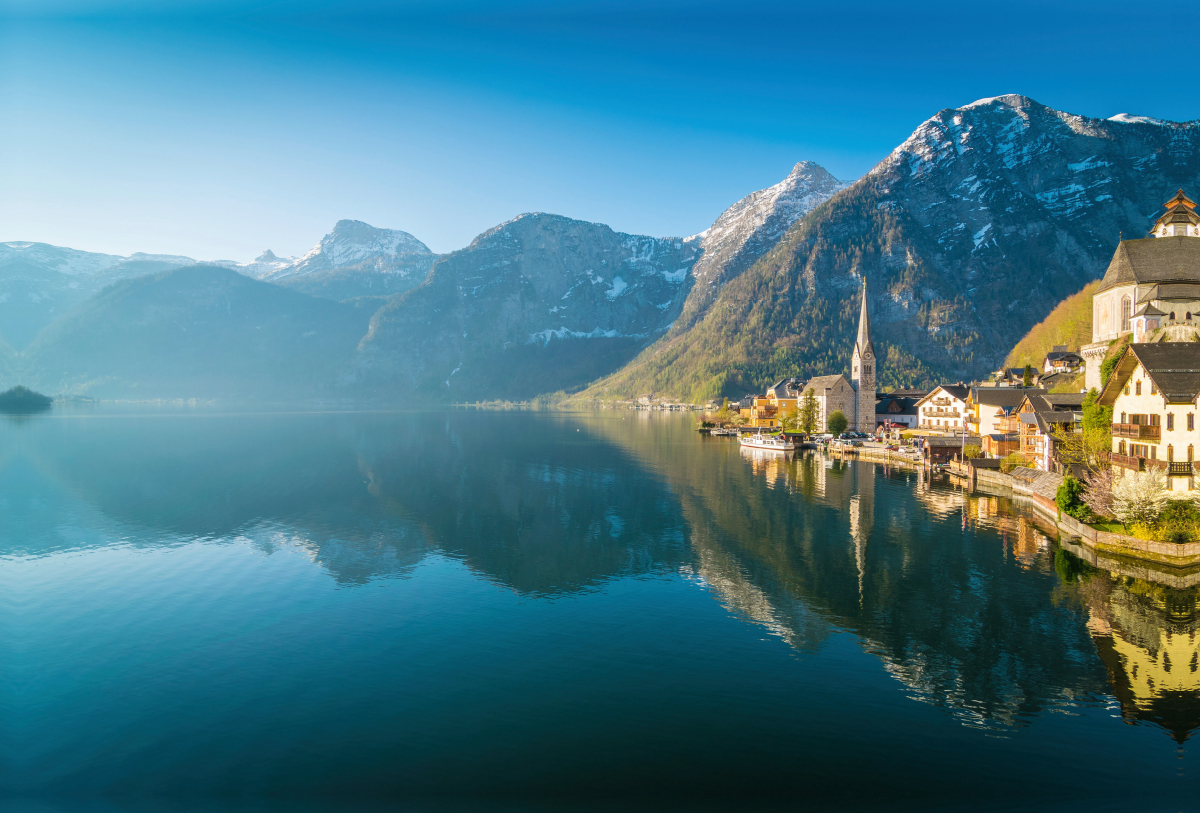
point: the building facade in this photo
(1153, 391)
(862, 372)
(1152, 285)
(944, 409)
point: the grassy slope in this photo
(1070, 323)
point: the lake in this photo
(516, 610)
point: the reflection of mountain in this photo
(531, 503)
(933, 595)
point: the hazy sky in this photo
(218, 129)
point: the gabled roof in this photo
(820, 382)
(1001, 396)
(908, 406)
(907, 393)
(1148, 310)
(1062, 355)
(1174, 367)
(1153, 259)
(953, 390)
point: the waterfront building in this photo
(1153, 391)
(1151, 290)
(1038, 416)
(988, 407)
(896, 409)
(944, 408)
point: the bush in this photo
(973, 452)
(1016, 460)
(1176, 523)
(1069, 499)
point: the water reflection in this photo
(962, 598)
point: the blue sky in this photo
(219, 129)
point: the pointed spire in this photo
(863, 344)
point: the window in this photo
(1172, 316)
(1126, 312)
(1170, 453)
(1121, 448)
(1170, 421)
(1123, 418)
(1138, 388)
(1126, 389)
(1191, 422)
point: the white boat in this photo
(760, 441)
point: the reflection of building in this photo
(862, 520)
(1146, 636)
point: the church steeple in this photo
(862, 371)
(862, 346)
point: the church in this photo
(854, 397)
(1151, 290)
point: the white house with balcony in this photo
(1153, 391)
(944, 409)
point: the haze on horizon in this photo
(219, 129)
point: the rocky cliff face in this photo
(968, 234)
(750, 228)
(534, 305)
(353, 260)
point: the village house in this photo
(896, 412)
(1038, 416)
(944, 408)
(987, 407)
(1151, 290)
(1061, 360)
(1153, 391)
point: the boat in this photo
(761, 441)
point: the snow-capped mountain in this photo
(968, 233)
(750, 228)
(536, 304)
(355, 259)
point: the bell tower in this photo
(862, 371)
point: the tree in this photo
(1098, 495)
(1091, 446)
(789, 419)
(1139, 496)
(1027, 379)
(1069, 500)
(808, 412)
(837, 422)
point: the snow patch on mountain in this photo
(74, 262)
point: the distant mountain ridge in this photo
(968, 233)
(537, 304)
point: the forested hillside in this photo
(1070, 323)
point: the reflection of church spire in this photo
(862, 517)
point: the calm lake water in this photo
(294, 611)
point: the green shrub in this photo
(1015, 460)
(1069, 500)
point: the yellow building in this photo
(766, 411)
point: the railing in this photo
(943, 413)
(1137, 431)
(1129, 462)
(1184, 469)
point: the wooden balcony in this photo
(1129, 462)
(1137, 431)
(943, 413)
(1179, 469)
